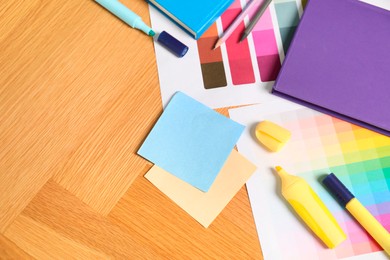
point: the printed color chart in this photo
(320, 144)
(267, 54)
(286, 12)
(239, 57)
(211, 61)
(241, 66)
(237, 73)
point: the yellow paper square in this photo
(205, 206)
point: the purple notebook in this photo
(339, 63)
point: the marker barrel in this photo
(125, 14)
(358, 211)
(370, 224)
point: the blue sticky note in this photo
(191, 141)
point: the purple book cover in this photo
(339, 63)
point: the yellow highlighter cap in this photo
(271, 135)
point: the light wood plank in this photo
(13, 16)
(9, 250)
(67, 102)
(32, 95)
(42, 242)
(65, 214)
(171, 230)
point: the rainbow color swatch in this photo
(320, 144)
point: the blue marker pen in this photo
(126, 15)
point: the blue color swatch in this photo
(191, 141)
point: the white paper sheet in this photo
(319, 145)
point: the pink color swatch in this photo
(239, 56)
(266, 48)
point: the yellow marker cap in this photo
(311, 209)
(271, 135)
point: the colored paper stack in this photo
(192, 147)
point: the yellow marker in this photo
(271, 135)
(360, 213)
(311, 209)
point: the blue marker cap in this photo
(172, 44)
(337, 188)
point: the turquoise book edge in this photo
(199, 30)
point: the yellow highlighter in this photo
(311, 209)
(358, 211)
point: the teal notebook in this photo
(194, 16)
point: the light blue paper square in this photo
(191, 141)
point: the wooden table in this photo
(79, 92)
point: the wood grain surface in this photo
(79, 92)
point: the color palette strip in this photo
(266, 48)
(288, 17)
(240, 62)
(211, 62)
